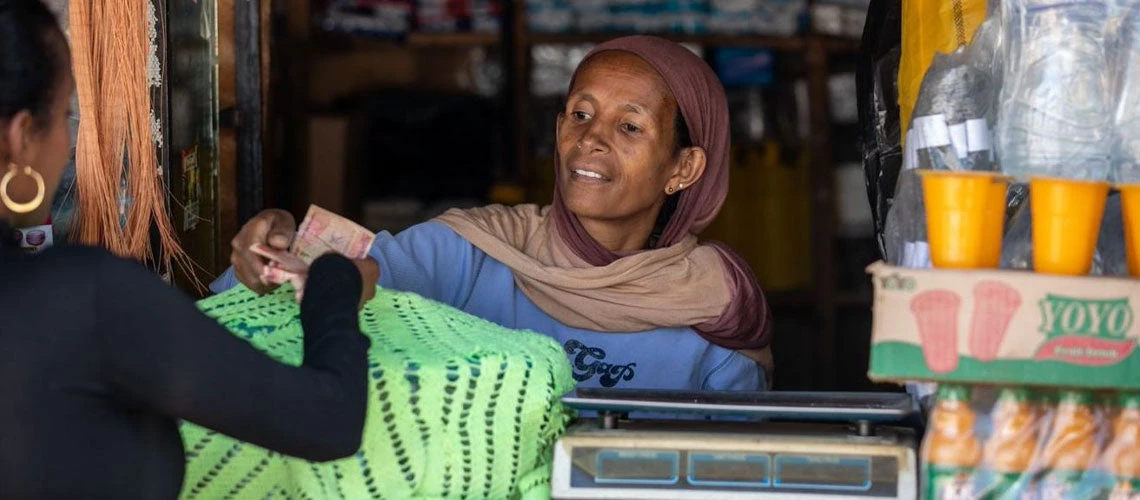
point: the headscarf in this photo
(570, 276)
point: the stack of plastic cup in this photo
(1066, 223)
(965, 217)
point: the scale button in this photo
(735, 470)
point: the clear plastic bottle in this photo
(1056, 108)
(1126, 75)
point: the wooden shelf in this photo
(339, 41)
(332, 42)
(452, 39)
(841, 45)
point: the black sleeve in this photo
(161, 353)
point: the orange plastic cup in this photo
(964, 218)
(993, 227)
(1130, 206)
(1066, 223)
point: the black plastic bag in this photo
(877, 95)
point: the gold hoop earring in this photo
(14, 206)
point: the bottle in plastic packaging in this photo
(1055, 117)
(1009, 452)
(1122, 456)
(951, 451)
(1071, 449)
(1126, 71)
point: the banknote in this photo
(276, 276)
(280, 259)
(324, 232)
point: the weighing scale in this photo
(731, 445)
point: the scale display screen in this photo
(870, 476)
(729, 469)
(821, 471)
(638, 467)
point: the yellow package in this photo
(930, 26)
(765, 217)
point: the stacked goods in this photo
(382, 18)
(398, 18)
(1044, 94)
(742, 17)
(457, 15)
(967, 320)
(1022, 252)
(1058, 343)
(1038, 444)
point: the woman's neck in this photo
(620, 236)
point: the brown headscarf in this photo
(570, 276)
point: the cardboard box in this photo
(1004, 327)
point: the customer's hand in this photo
(273, 228)
(277, 274)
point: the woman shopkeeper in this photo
(642, 167)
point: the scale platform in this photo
(737, 446)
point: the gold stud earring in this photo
(14, 206)
(669, 190)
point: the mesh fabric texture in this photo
(458, 408)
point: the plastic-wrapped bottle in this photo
(1010, 449)
(1071, 449)
(1056, 114)
(951, 451)
(1122, 457)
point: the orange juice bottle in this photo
(1009, 452)
(951, 451)
(1122, 456)
(1071, 448)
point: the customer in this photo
(99, 359)
(613, 270)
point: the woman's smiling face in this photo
(616, 144)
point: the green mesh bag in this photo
(458, 408)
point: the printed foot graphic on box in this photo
(995, 303)
(936, 312)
